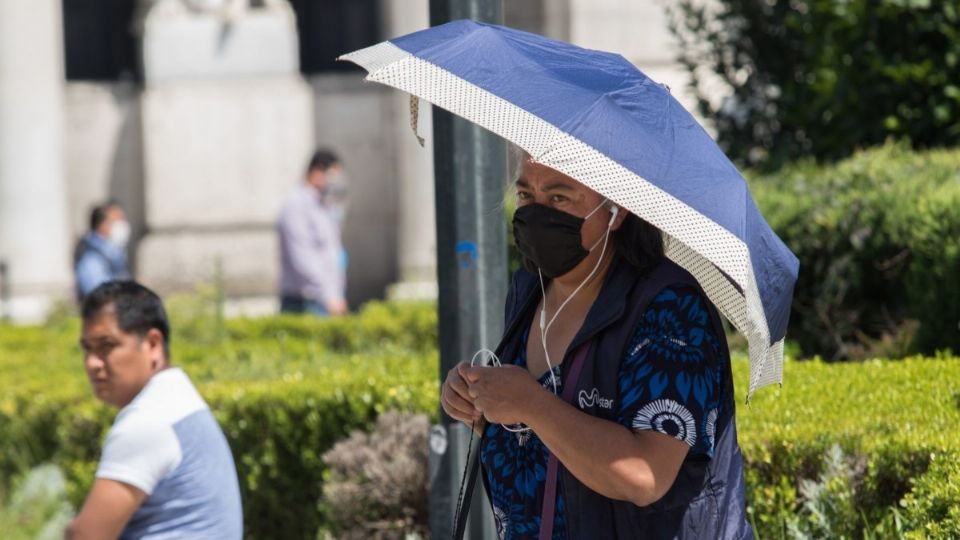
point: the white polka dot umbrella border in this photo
(705, 249)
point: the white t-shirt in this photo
(167, 444)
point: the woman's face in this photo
(540, 184)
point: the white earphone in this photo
(614, 210)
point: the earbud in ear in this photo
(614, 210)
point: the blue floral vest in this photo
(707, 498)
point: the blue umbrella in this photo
(596, 118)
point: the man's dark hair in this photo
(99, 214)
(137, 309)
(322, 159)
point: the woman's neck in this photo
(562, 287)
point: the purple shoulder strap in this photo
(550, 489)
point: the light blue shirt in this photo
(98, 261)
(167, 444)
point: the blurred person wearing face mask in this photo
(101, 255)
(312, 258)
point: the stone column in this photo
(417, 238)
(34, 239)
(227, 131)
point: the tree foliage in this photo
(822, 78)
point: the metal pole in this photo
(470, 170)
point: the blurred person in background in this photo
(166, 470)
(101, 255)
(312, 259)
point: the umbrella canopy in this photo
(596, 118)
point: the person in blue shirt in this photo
(101, 255)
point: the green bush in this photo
(878, 238)
(897, 425)
(934, 504)
(279, 431)
(822, 78)
(284, 403)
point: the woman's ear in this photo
(617, 215)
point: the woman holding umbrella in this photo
(611, 414)
(647, 446)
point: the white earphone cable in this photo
(492, 358)
(545, 327)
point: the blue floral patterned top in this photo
(670, 382)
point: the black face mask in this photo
(549, 239)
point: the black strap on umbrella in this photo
(467, 485)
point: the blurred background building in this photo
(198, 116)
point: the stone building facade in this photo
(199, 115)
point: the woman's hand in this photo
(502, 394)
(455, 398)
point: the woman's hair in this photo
(639, 243)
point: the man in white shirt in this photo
(166, 470)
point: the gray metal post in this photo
(470, 169)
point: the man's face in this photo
(114, 214)
(118, 364)
(320, 178)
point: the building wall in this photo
(639, 31)
(104, 159)
(355, 119)
(211, 207)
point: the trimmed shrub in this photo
(284, 404)
(933, 507)
(878, 238)
(822, 78)
(896, 424)
(278, 431)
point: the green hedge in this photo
(278, 431)
(285, 389)
(896, 422)
(878, 238)
(284, 401)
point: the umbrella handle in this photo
(467, 485)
